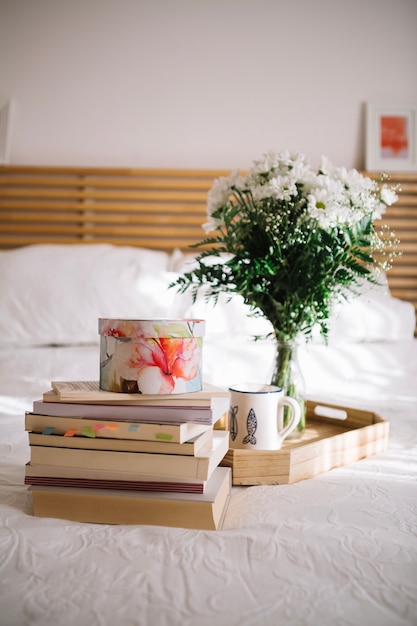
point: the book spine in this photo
(77, 391)
(163, 465)
(59, 425)
(186, 510)
(127, 485)
(103, 508)
(53, 471)
(126, 445)
(132, 413)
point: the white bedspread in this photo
(340, 548)
(336, 550)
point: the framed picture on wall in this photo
(5, 130)
(391, 138)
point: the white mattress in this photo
(340, 548)
(336, 550)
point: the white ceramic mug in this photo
(256, 416)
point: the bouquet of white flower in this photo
(292, 241)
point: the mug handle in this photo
(295, 415)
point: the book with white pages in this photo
(134, 412)
(89, 391)
(203, 511)
(107, 428)
(200, 466)
(54, 476)
(194, 446)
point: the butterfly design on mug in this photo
(251, 426)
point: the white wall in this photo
(200, 83)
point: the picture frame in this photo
(6, 110)
(391, 138)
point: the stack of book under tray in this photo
(103, 457)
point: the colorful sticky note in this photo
(70, 433)
(87, 431)
(133, 427)
(163, 436)
(48, 431)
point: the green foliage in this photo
(276, 252)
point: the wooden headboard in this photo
(155, 208)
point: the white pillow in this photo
(229, 317)
(54, 294)
(374, 315)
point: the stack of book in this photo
(103, 457)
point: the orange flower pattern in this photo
(152, 357)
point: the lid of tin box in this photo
(157, 328)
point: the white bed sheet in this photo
(338, 549)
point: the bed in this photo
(340, 548)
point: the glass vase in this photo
(288, 375)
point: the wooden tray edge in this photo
(368, 435)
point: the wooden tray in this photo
(327, 442)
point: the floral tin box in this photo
(160, 356)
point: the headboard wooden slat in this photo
(402, 218)
(161, 208)
(107, 230)
(152, 208)
(156, 243)
(145, 183)
(121, 172)
(67, 217)
(13, 209)
(89, 193)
